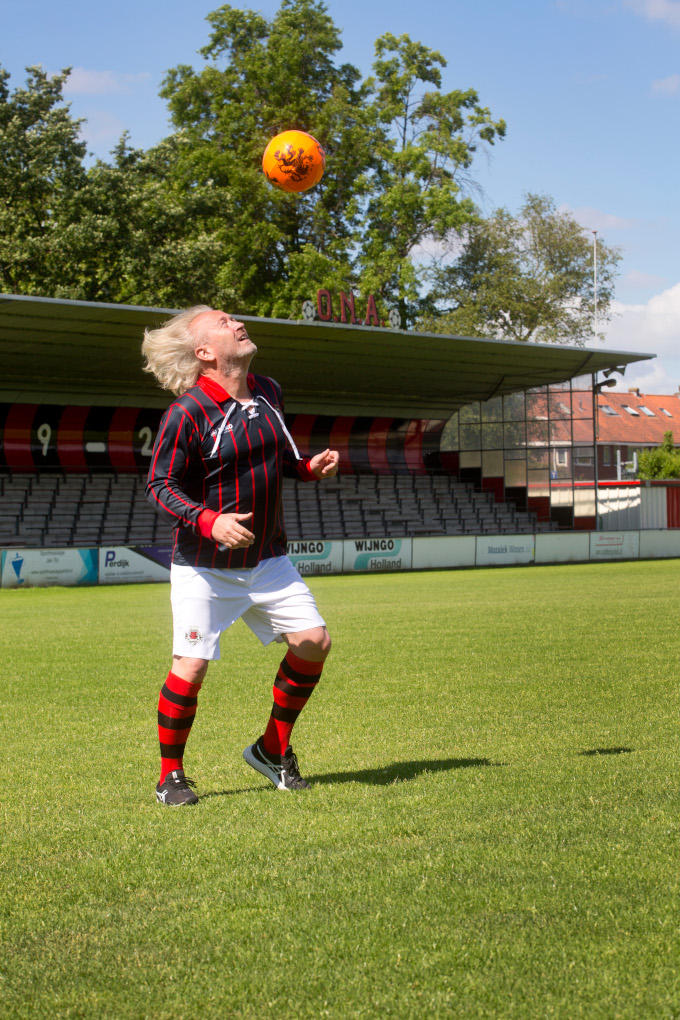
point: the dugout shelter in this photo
(78, 417)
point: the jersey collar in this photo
(218, 392)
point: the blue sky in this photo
(590, 91)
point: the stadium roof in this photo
(82, 352)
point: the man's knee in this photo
(312, 645)
(190, 669)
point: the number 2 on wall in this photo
(146, 435)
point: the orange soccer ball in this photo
(294, 161)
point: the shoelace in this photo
(181, 781)
(290, 764)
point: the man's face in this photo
(222, 340)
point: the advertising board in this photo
(123, 565)
(569, 547)
(504, 550)
(659, 543)
(443, 553)
(377, 554)
(33, 568)
(316, 557)
(614, 545)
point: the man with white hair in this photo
(216, 476)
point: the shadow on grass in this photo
(403, 770)
(230, 793)
(594, 751)
(398, 772)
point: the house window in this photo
(645, 410)
(561, 458)
(664, 411)
(631, 410)
(606, 455)
(608, 409)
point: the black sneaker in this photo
(280, 769)
(176, 789)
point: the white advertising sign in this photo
(568, 547)
(317, 557)
(503, 550)
(659, 543)
(377, 554)
(443, 553)
(614, 545)
(121, 565)
(32, 568)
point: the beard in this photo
(229, 364)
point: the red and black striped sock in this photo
(294, 684)
(176, 710)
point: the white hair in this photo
(170, 351)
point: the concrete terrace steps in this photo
(39, 510)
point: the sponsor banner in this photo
(123, 565)
(32, 568)
(659, 544)
(377, 554)
(614, 545)
(156, 553)
(568, 547)
(442, 553)
(504, 550)
(317, 557)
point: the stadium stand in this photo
(60, 510)
(79, 509)
(76, 435)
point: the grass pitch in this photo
(492, 832)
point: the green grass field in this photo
(493, 829)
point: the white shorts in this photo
(271, 598)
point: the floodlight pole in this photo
(596, 393)
(595, 282)
(597, 389)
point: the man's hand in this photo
(324, 465)
(229, 533)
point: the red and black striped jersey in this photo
(215, 455)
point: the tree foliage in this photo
(526, 277)
(425, 143)
(41, 169)
(193, 218)
(662, 462)
(260, 78)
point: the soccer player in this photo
(216, 475)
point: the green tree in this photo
(525, 277)
(662, 462)
(425, 143)
(135, 236)
(260, 78)
(41, 168)
(194, 218)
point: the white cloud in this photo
(445, 249)
(83, 82)
(667, 11)
(643, 281)
(101, 128)
(595, 219)
(669, 86)
(654, 328)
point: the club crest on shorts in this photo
(193, 635)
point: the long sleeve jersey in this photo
(215, 455)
